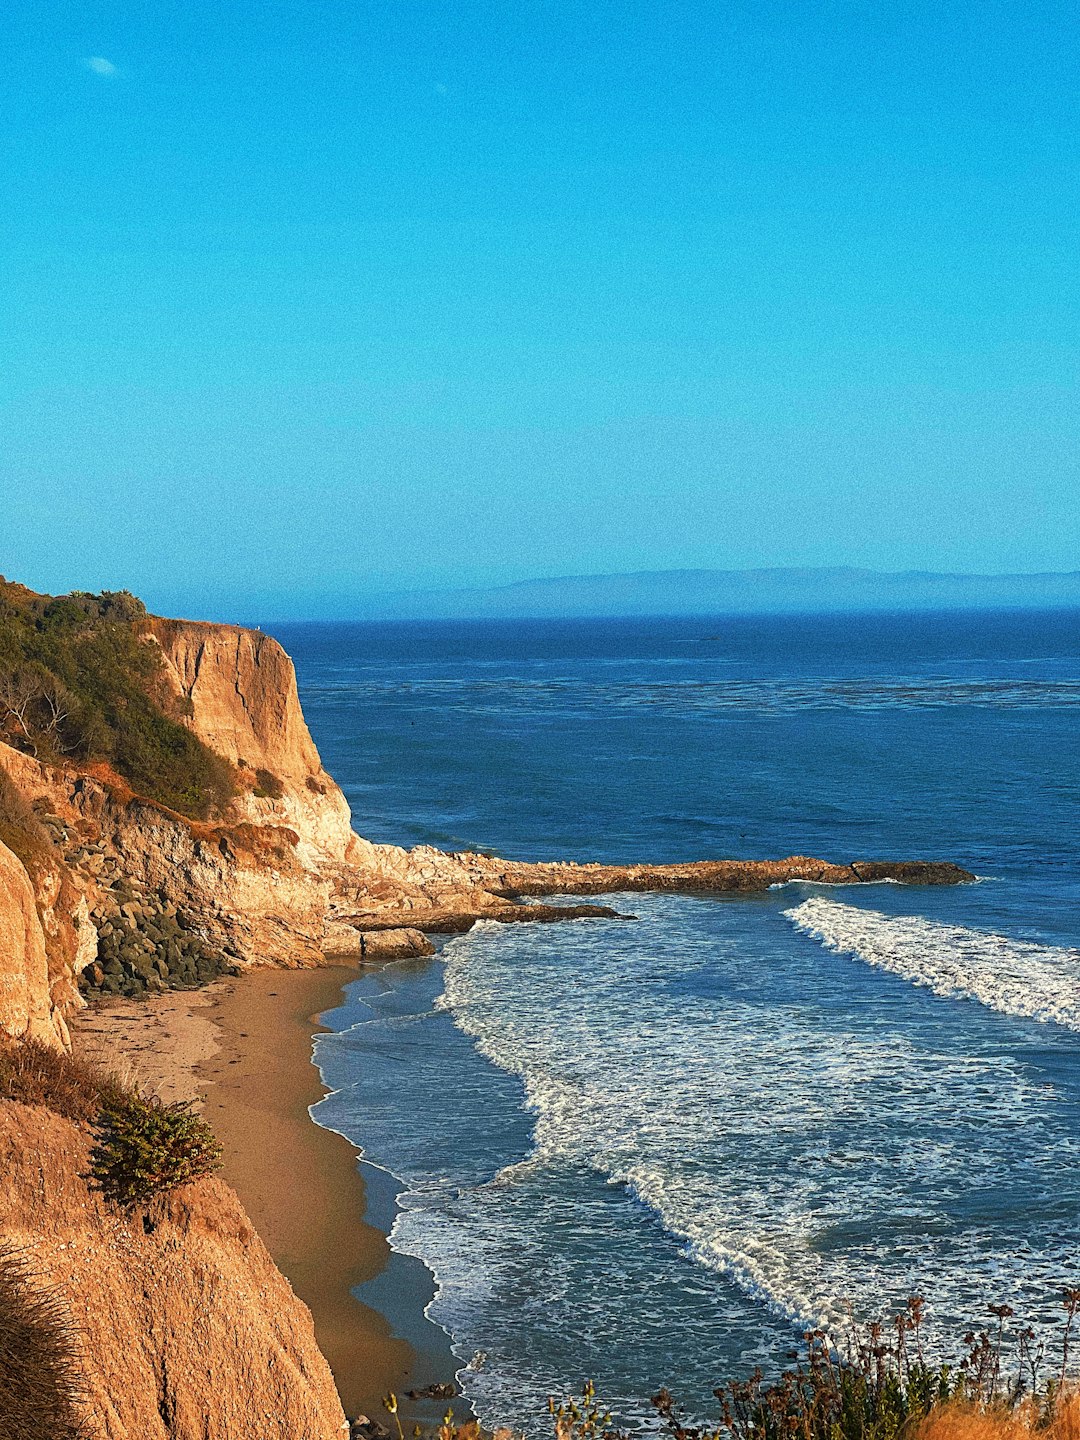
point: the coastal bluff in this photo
(115, 881)
(183, 1325)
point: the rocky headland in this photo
(109, 891)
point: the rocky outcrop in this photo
(434, 892)
(705, 876)
(184, 1328)
(26, 1008)
(244, 893)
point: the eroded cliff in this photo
(181, 1326)
(240, 689)
(26, 1008)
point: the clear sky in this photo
(307, 300)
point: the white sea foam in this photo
(756, 1133)
(1015, 977)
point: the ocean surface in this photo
(655, 1152)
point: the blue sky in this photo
(305, 301)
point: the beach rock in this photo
(396, 943)
(184, 1328)
(364, 1429)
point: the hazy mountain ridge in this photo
(739, 592)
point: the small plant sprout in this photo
(390, 1404)
(1071, 1300)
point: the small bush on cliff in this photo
(144, 1147)
(268, 786)
(78, 677)
(34, 1074)
(40, 1380)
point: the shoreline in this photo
(241, 1049)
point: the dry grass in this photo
(40, 1378)
(962, 1420)
(34, 1074)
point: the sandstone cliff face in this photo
(186, 1329)
(241, 687)
(26, 1009)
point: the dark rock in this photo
(365, 1429)
(911, 872)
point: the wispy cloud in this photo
(100, 66)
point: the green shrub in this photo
(40, 1379)
(79, 678)
(144, 1147)
(21, 830)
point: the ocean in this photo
(654, 1153)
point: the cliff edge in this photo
(26, 1009)
(239, 689)
(181, 1326)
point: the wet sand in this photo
(242, 1049)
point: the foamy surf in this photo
(1014, 977)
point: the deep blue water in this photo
(653, 1152)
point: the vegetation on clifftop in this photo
(79, 678)
(1005, 1386)
(142, 1146)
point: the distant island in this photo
(841, 589)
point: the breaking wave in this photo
(1014, 977)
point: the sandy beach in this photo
(241, 1049)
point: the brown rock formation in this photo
(435, 892)
(249, 888)
(185, 1328)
